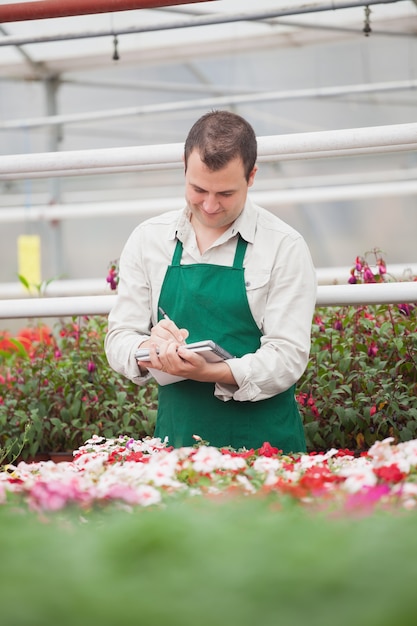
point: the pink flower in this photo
(367, 498)
(54, 495)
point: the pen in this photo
(162, 312)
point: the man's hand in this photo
(175, 359)
(165, 332)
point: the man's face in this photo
(216, 199)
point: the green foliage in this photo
(57, 393)
(360, 385)
(361, 382)
(235, 562)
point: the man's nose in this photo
(210, 204)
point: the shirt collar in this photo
(245, 224)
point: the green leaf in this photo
(24, 281)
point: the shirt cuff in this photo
(245, 389)
(142, 380)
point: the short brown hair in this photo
(219, 137)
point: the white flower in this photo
(161, 469)
(358, 476)
(266, 464)
(207, 459)
(148, 495)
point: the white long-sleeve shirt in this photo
(280, 285)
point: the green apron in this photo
(211, 302)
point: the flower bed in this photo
(134, 532)
(146, 473)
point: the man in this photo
(222, 269)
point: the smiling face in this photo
(215, 198)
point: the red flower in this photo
(244, 455)
(390, 473)
(137, 457)
(344, 452)
(38, 334)
(319, 322)
(5, 343)
(267, 450)
(316, 479)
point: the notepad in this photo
(210, 350)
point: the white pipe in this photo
(201, 20)
(154, 206)
(334, 295)
(60, 288)
(99, 286)
(320, 144)
(315, 182)
(375, 293)
(207, 103)
(56, 307)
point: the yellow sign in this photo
(29, 258)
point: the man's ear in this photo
(252, 176)
(185, 166)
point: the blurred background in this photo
(143, 77)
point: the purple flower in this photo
(382, 268)
(91, 367)
(113, 276)
(405, 309)
(368, 275)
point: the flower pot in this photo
(58, 457)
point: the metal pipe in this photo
(42, 9)
(327, 295)
(348, 142)
(98, 286)
(155, 206)
(377, 293)
(212, 102)
(50, 8)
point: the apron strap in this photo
(176, 257)
(240, 253)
